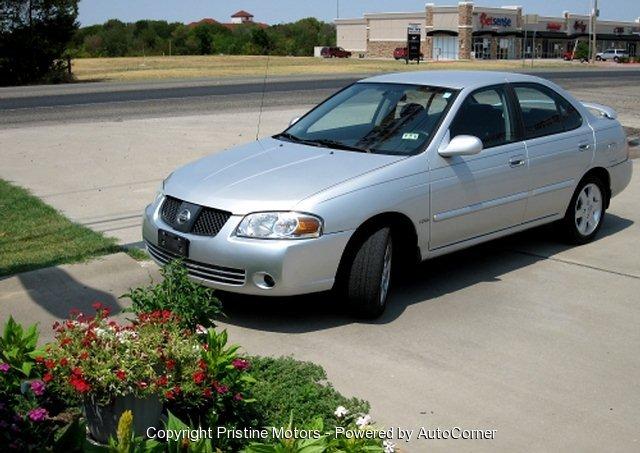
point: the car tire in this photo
(369, 276)
(598, 58)
(616, 59)
(586, 211)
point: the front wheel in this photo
(586, 211)
(369, 276)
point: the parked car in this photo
(391, 170)
(401, 53)
(612, 54)
(335, 52)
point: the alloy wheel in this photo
(588, 209)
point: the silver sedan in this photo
(390, 171)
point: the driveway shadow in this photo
(422, 284)
(57, 292)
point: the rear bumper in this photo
(240, 265)
(620, 175)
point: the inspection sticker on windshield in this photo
(410, 136)
(446, 95)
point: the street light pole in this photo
(337, 9)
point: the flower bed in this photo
(115, 380)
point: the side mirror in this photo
(462, 145)
(293, 121)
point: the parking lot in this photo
(525, 335)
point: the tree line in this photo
(39, 37)
(115, 38)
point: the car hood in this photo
(268, 175)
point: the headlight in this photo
(280, 225)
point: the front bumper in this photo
(620, 175)
(240, 265)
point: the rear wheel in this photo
(598, 58)
(616, 59)
(586, 211)
(369, 275)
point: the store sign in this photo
(413, 42)
(555, 26)
(580, 26)
(489, 21)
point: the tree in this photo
(33, 37)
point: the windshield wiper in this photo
(335, 144)
(289, 137)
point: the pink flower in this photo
(4, 367)
(37, 387)
(38, 415)
(240, 364)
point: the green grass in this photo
(34, 235)
(137, 254)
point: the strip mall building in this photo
(467, 31)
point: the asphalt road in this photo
(118, 101)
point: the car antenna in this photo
(264, 90)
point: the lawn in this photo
(176, 67)
(34, 235)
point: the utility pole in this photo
(593, 48)
(337, 9)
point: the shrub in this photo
(194, 304)
(286, 387)
(32, 418)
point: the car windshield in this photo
(375, 117)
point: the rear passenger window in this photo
(485, 114)
(545, 112)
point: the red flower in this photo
(202, 364)
(97, 306)
(162, 381)
(39, 359)
(240, 364)
(63, 361)
(79, 383)
(77, 371)
(171, 364)
(48, 377)
(169, 394)
(220, 388)
(49, 363)
(142, 385)
(238, 397)
(65, 341)
(84, 355)
(121, 375)
(199, 376)
(207, 393)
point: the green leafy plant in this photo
(18, 349)
(285, 385)
(201, 445)
(195, 305)
(127, 442)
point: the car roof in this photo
(453, 79)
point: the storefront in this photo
(467, 31)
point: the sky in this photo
(277, 11)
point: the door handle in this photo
(584, 147)
(516, 162)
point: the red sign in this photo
(556, 26)
(488, 21)
(580, 25)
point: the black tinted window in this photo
(485, 114)
(545, 112)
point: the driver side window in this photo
(485, 114)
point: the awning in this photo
(442, 32)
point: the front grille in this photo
(208, 223)
(209, 272)
(169, 210)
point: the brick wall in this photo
(383, 48)
(465, 29)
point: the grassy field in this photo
(34, 235)
(150, 68)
